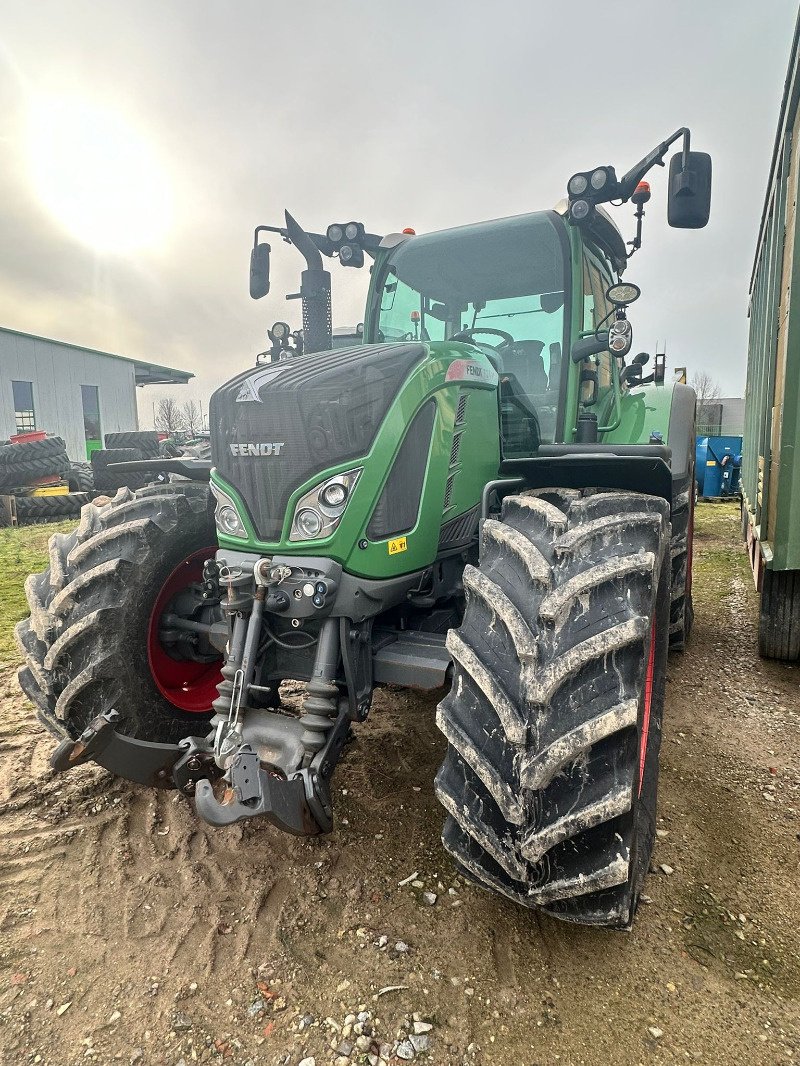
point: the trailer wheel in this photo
(92, 640)
(553, 719)
(779, 615)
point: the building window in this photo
(90, 398)
(23, 406)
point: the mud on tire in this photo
(86, 641)
(553, 719)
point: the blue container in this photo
(718, 466)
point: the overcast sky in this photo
(425, 114)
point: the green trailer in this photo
(770, 471)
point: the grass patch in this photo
(23, 551)
(720, 558)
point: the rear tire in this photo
(779, 615)
(86, 641)
(553, 719)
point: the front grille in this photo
(461, 410)
(448, 492)
(456, 448)
(323, 409)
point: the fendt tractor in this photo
(483, 497)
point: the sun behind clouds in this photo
(96, 174)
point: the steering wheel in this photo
(468, 334)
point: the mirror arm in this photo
(628, 182)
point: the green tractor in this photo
(483, 497)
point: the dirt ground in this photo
(130, 932)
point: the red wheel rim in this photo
(187, 685)
(648, 699)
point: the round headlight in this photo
(345, 253)
(334, 233)
(228, 521)
(280, 330)
(351, 231)
(334, 495)
(577, 185)
(599, 178)
(580, 209)
(309, 523)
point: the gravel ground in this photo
(131, 933)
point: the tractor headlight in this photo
(579, 210)
(334, 495)
(319, 512)
(226, 516)
(308, 524)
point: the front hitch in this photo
(300, 805)
(254, 792)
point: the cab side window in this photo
(595, 309)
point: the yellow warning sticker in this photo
(710, 462)
(399, 544)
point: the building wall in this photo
(57, 372)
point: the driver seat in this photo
(525, 362)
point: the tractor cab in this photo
(500, 286)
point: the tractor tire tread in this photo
(543, 760)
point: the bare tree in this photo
(169, 418)
(192, 417)
(707, 389)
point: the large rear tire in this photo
(553, 719)
(91, 642)
(681, 615)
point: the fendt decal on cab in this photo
(255, 450)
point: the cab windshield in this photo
(499, 285)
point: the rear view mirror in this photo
(689, 202)
(259, 271)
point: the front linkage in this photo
(263, 763)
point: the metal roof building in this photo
(70, 391)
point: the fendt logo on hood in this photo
(256, 450)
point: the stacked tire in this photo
(106, 478)
(144, 441)
(50, 508)
(80, 477)
(23, 464)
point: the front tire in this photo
(553, 719)
(86, 643)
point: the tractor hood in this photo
(275, 426)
